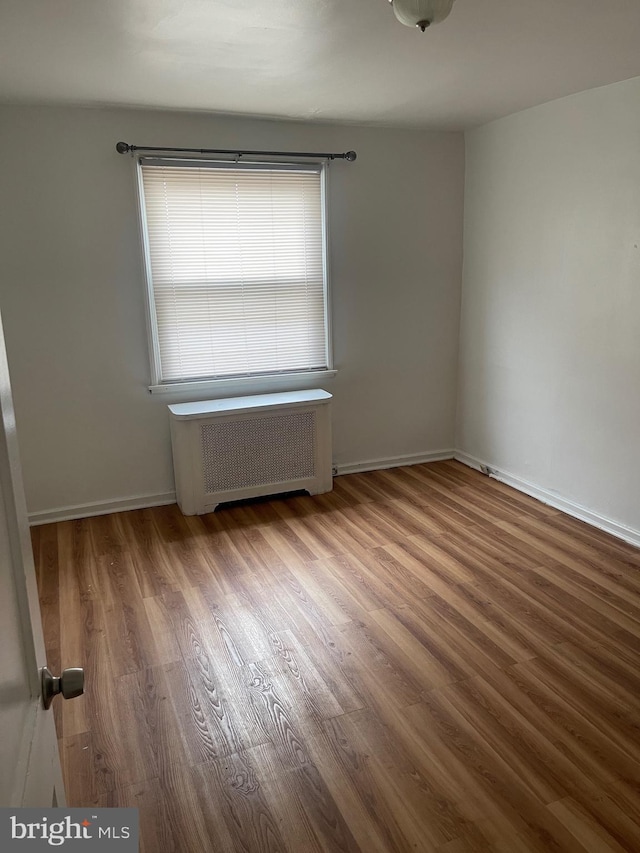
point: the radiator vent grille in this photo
(257, 451)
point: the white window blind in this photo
(236, 263)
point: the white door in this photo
(29, 763)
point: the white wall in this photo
(71, 292)
(550, 330)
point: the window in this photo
(236, 268)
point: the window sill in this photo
(245, 386)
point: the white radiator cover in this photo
(243, 447)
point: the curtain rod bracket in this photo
(124, 148)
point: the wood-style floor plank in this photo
(421, 660)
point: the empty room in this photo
(320, 417)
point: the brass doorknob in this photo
(70, 684)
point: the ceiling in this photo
(324, 60)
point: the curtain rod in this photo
(124, 148)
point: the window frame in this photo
(250, 383)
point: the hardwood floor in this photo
(423, 659)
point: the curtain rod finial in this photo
(122, 147)
(350, 156)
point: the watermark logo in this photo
(26, 830)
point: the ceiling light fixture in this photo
(421, 13)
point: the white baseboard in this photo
(394, 462)
(628, 534)
(68, 513)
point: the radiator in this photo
(243, 447)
